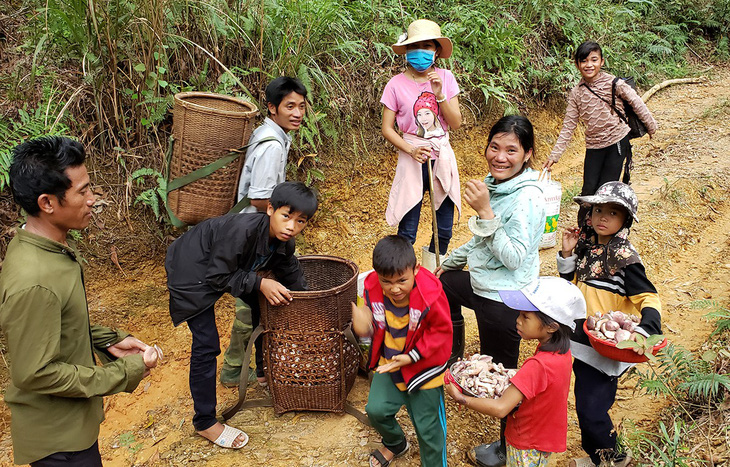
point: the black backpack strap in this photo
(622, 116)
(613, 97)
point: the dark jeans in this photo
(408, 226)
(205, 348)
(595, 393)
(604, 165)
(496, 321)
(87, 458)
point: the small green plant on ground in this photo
(569, 192)
(720, 108)
(153, 197)
(696, 382)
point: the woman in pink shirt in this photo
(607, 140)
(423, 102)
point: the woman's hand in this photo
(570, 240)
(420, 154)
(437, 85)
(275, 292)
(477, 195)
(438, 271)
(548, 165)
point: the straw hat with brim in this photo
(616, 193)
(423, 30)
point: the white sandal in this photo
(228, 437)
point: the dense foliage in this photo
(129, 57)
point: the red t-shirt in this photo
(541, 422)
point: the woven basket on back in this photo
(206, 127)
(310, 363)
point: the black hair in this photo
(393, 255)
(281, 87)
(559, 340)
(585, 49)
(298, 196)
(39, 167)
(521, 127)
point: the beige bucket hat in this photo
(423, 30)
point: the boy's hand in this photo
(362, 320)
(399, 361)
(639, 339)
(274, 292)
(570, 240)
(477, 195)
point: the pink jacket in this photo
(407, 189)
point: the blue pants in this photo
(426, 409)
(88, 458)
(205, 348)
(408, 226)
(595, 393)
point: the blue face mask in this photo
(420, 60)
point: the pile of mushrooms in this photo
(614, 326)
(481, 377)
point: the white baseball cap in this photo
(559, 299)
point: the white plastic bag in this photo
(553, 193)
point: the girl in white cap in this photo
(422, 90)
(548, 309)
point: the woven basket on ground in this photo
(310, 363)
(206, 127)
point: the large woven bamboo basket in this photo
(206, 127)
(309, 362)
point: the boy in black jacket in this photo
(221, 255)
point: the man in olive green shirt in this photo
(56, 388)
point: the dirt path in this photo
(681, 177)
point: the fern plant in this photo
(153, 197)
(693, 380)
(44, 120)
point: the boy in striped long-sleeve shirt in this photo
(410, 325)
(599, 258)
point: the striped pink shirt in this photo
(603, 125)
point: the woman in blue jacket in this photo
(502, 254)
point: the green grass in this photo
(134, 55)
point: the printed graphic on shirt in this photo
(379, 313)
(426, 112)
(415, 316)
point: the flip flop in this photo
(228, 437)
(381, 458)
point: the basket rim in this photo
(610, 348)
(180, 98)
(334, 290)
